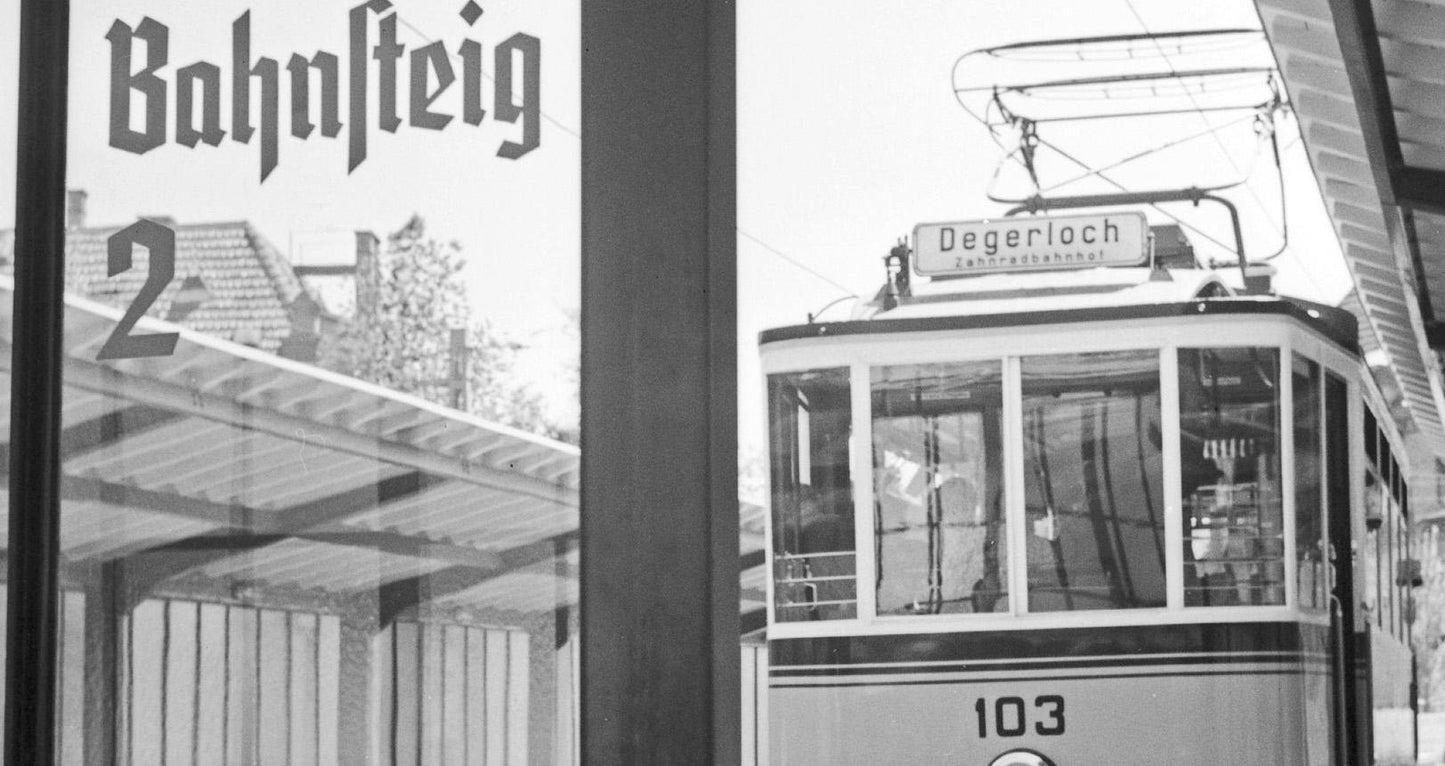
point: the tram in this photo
(1086, 509)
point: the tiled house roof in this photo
(229, 281)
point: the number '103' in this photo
(1011, 716)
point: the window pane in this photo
(320, 472)
(1229, 455)
(938, 489)
(1093, 481)
(1308, 489)
(811, 421)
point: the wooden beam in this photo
(1421, 189)
(1359, 40)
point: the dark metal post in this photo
(30, 663)
(659, 548)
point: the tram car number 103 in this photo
(1011, 719)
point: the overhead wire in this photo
(1147, 152)
(1192, 100)
(568, 130)
(1123, 188)
(797, 263)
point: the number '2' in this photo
(161, 242)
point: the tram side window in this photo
(1229, 455)
(942, 542)
(1093, 481)
(810, 424)
(1387, 552)
(1338, 501)
(1308, 485)
(1375, 503)
(1399, 590)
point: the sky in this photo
(849, 134)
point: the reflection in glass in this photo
(1229, 465)
(938, 489)
(1093, 481)
(1308, 485)
(312, 510)
(810, 416)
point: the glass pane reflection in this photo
(1093, 481)
(1229, 455)
(320, 495)
(938, 488)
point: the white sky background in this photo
(848, 135)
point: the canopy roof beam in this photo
(1401, 187)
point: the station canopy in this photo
(224, 463)
(226, 467)
(1366, 83)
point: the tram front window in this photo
(1308, 483)
(938, 489)
(1229, 466)
(1093, 481)
(810, 417)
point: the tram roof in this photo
(1010, 293)
(1072, 296)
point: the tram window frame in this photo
(1389, 562)
(1315, 551)
(1372, 541)
(832, 501)
(1371, 436)
(1387, 464)
(1124, 589)
(983, 396)
(1402, 552)
(1254, 566)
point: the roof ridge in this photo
(277, 266)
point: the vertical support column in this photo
(30, 666)
(659, 553)
(354, 716)
(103, 608)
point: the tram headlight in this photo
(1022, 757)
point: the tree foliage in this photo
(399, 335)
(1428, 632)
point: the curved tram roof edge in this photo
(1336, 324)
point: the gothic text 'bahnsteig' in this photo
(430, 68)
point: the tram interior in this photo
(1093, 478)
(1229, 461)
(938, 489)
(1091, 438)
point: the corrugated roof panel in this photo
(1303, 38)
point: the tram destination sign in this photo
(1030, 244)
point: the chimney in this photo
(75, 209)
(368, 273)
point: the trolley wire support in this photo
(1194, 194)
(1135, 76)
